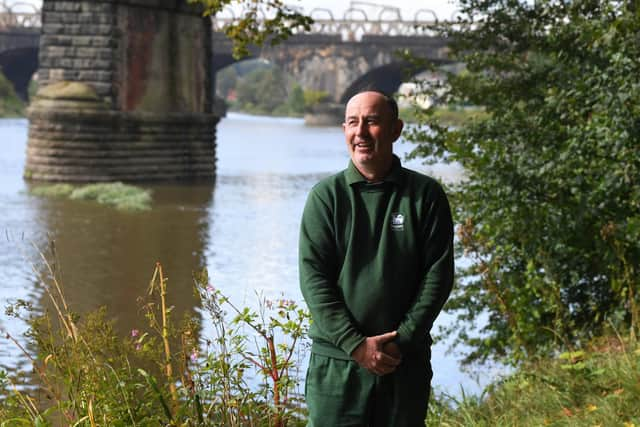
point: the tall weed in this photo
(85, 374)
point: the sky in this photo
(408, 8)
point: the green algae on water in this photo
(52, 190)
(116, 194)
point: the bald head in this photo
(391, 103)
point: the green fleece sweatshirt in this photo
(375, 258)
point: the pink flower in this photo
(138, 347)
(194, 356)
(134, 333)
(210, 288)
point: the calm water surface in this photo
(243, 228)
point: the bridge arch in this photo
(386, 78)
(19, 66)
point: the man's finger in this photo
(383, 338)
(385, 359)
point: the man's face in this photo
(370, 131)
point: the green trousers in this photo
(340, 393)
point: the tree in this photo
(281, 22)
(10, 104)
(295, 100)
(262, 90)
(549, 210)
(226, 80)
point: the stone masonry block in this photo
(98, 6)
(63, 6)
(47, 40)
(92, 41)
(60, 51)
(78, 29)
(102, 89)
(91, 64)
(95, 76)
(93, 52)
(60, 18)
(96, 18)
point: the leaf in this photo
(154, 385)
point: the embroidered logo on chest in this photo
(397, 221)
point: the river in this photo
(243, 229)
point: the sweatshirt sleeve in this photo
(437, 280)
(318, 276)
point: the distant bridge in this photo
(338, 56)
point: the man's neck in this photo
(375, 173)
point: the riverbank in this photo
(598, 386)
(110, 376)
(446, 115)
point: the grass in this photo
(598, 386)
(121, 196)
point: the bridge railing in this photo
(19, 14)
(354, 29)
(19, 20)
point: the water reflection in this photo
(107, 256)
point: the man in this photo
(376, 267)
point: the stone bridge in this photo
(341, 67)
(338, 56)
(126, 86)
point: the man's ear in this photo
(397, 129)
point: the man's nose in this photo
(362, 128)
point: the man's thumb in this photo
(386, 337)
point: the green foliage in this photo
(295, 101)
(268, 91)
(315, 97)
(165, 375)
(121, 196)
(454, 117)
(33, 88)
(10, 104)
(549, 211)
(251, 28)
(226, 81)
(281, 328)
(599, 386)
(262, 90)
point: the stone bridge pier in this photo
(125, 93)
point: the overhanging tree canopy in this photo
(549, 211)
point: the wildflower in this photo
(591, 408)
(284, 303)
(210, 288)
(194, 356)
(134, 333)
(138, 347)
